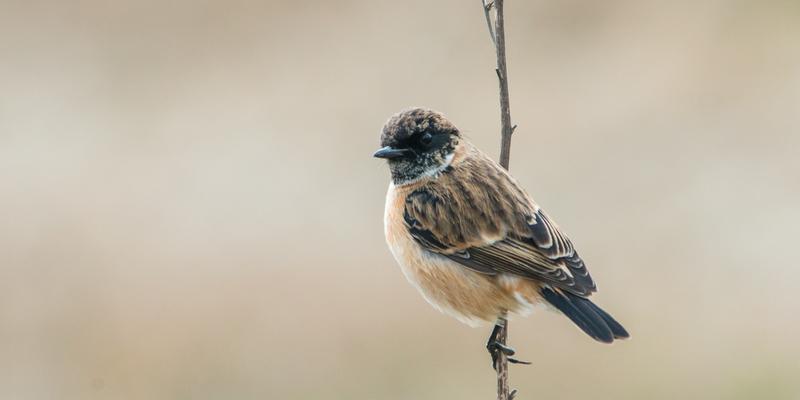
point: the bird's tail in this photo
(588, 316)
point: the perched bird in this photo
(471, 239)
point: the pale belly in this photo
(471, 297)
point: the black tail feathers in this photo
(588, 316)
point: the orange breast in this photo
(452, 288)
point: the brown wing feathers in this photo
(478, 216)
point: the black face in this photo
(417, 142)
(416, 145)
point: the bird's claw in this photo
(495, 348)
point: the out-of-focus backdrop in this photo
(190, 209)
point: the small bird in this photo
(471, 240)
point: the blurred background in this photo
(191, 211)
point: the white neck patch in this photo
(433, 172)
(438, 170)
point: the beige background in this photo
(190, 209)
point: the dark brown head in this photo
(417, 142)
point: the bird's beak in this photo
(390, 152)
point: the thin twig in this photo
(501, 364)
(487, 9)
(498, 36)
(505, 108)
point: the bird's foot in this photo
(495, 348)
(515, 361)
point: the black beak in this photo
(390, 152)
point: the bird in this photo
(470, 238)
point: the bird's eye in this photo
(426, 139)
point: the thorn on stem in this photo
(513, 128)
(513, 394)
(499, 74)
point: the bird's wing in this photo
(493, 227)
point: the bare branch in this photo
(497, 33)
(501, 364)
(505, 108)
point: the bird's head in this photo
(418, 142)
